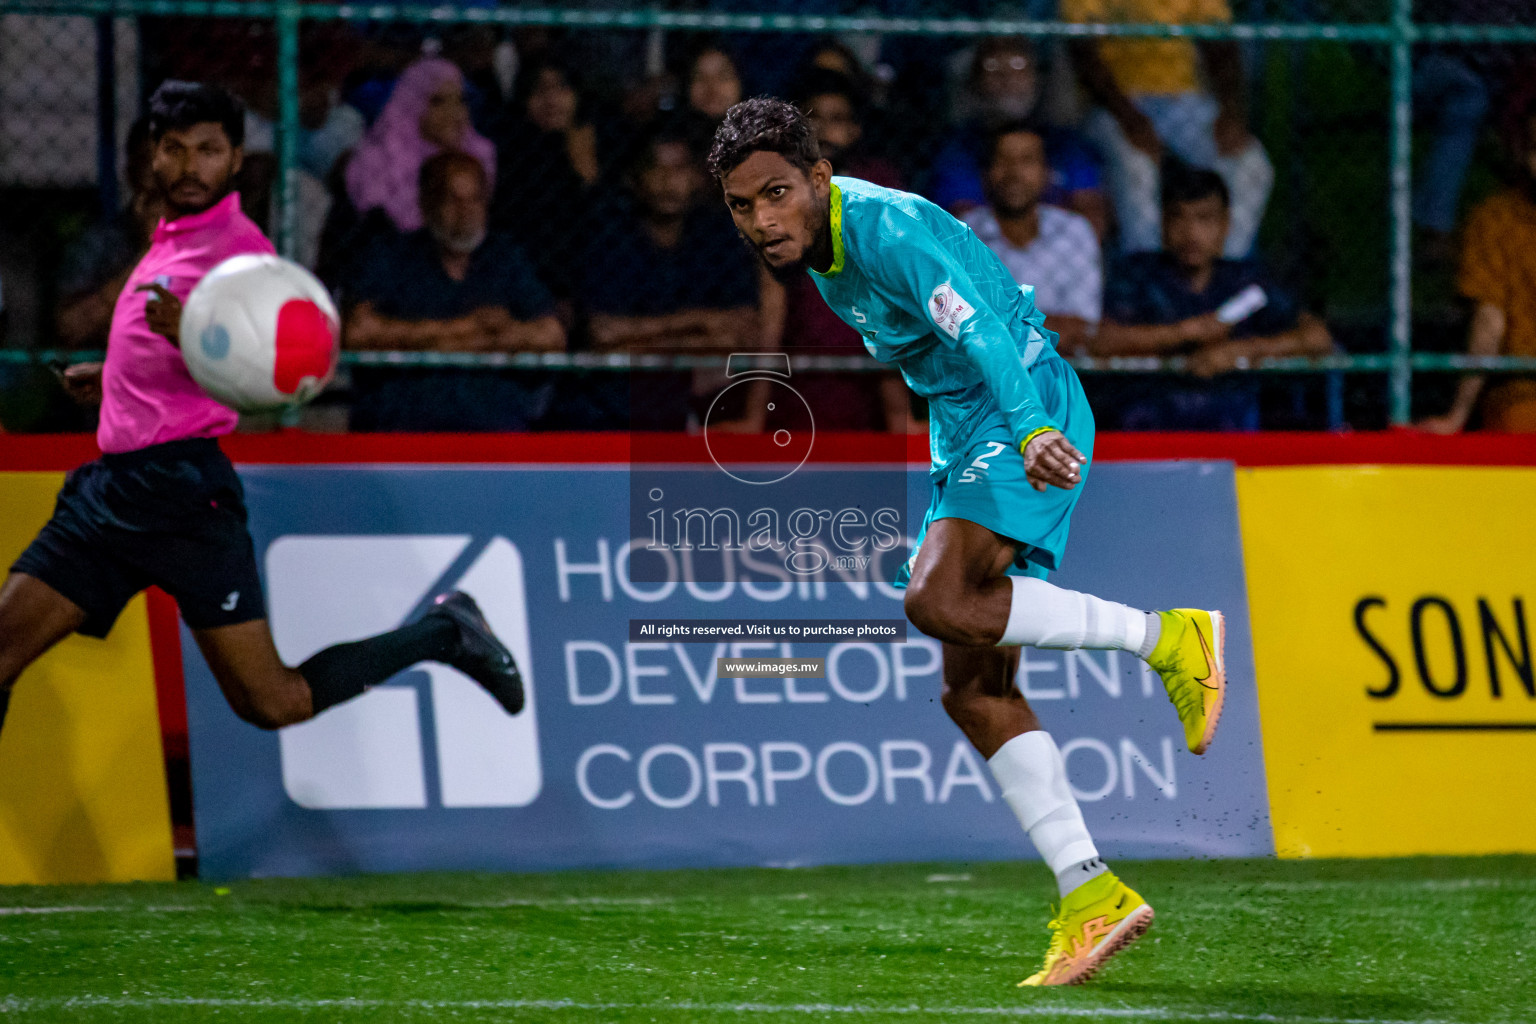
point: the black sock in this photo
(342, 672)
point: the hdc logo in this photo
(372, 752)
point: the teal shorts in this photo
(988, 486)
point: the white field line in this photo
(12, 1004)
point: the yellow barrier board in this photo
(82, 776)
(1393, 642)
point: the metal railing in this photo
(1397, 34)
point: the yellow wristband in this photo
(1035, 434)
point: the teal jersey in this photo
(928, 296)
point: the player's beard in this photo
(786, 273)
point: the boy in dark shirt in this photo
(1188, 300)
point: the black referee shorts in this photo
(172, 515)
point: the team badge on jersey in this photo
(949, 310)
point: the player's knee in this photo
(940, 611)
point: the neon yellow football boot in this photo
(1188, 656)
(1097, 920)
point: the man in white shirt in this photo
(1051, 249)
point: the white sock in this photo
(1033, 777)
(1044, 615)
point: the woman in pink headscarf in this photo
(425, 115)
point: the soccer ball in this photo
(260, 333)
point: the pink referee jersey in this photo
(148, 397)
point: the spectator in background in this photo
(1224, 314)
(425, 115)
(328, 127)
(474, 49)
(664, 272)
(796, 315)
(1004, 87)
(836, 109)
(547, 159)
(450, 287)
(831, 54)
(384, 50)
(1449, 91)
(1051, 249)
(713, 83)
(328, 130)
(1152, 104)
(96, 264)
(1498, 276)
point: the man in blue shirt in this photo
(1009, 431)
(450, 287)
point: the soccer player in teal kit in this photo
(1011, 436)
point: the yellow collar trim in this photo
(838, 256)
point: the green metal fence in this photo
(1388, 25)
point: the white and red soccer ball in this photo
(260, 332)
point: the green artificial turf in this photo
(1410, 940)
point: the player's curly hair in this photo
(763, 124)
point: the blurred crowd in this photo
(476, 190)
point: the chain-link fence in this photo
(1236, 213)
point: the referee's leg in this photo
(33, 617)
(267, 693)
(259, 687)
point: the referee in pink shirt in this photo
(163, 505)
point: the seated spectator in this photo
(1151, 104)
(450, 287)
(834, 55)
(1004, 87)
(474, 49)
(838, 401)
(425, 115)
(713, 83)
(96, 264)
(328, 130)
(1050, 249)
(384, 50)
(1449, 93)
(547, 156)
(1222, 313)
(1498, 268)
(836, 110)
(665, 270)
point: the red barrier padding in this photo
(290, 447)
